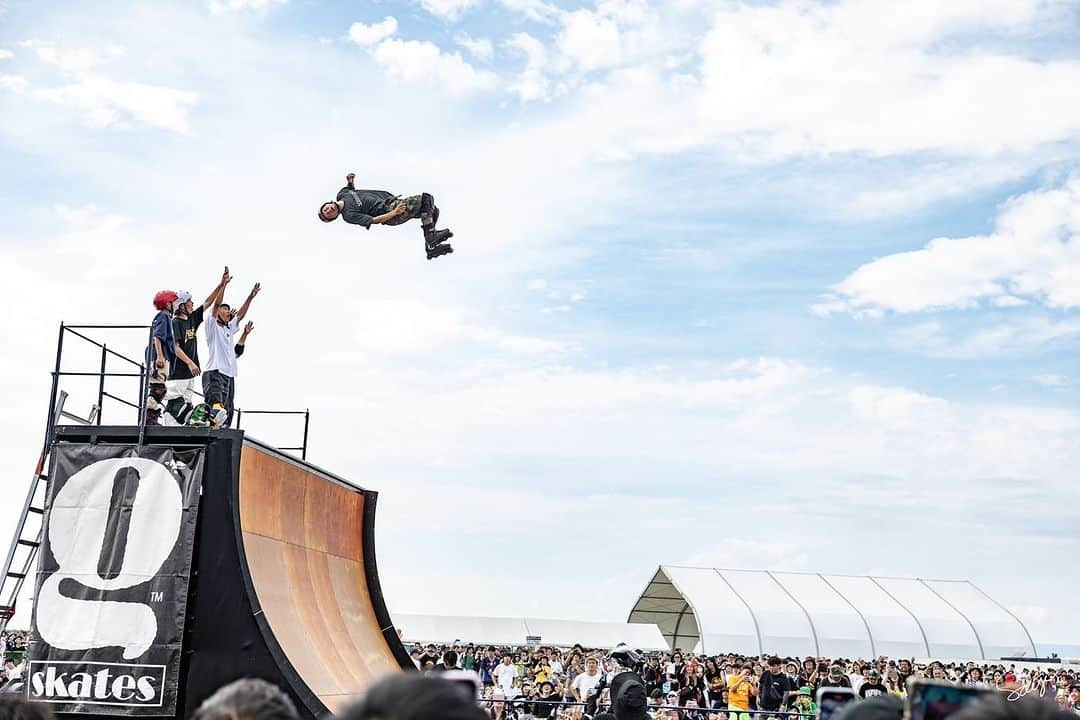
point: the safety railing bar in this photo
(125, 358)
(108, 327)
(80, 335)
(65, 373)
(120, 400)
(275, 412)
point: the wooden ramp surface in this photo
(304, 536)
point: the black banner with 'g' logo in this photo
(112, 582)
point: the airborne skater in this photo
(379, 207)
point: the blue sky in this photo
(779, 285)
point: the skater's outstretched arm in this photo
(239, 349)
(213, 297)
(219, 294)
(247, 303)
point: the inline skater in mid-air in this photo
(379, 207)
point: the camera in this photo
(627, 657)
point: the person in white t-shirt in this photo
(219, 372)
(585, 683)
(505, 674)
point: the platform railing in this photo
(138, 369)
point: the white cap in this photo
(182, 297)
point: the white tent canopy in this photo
(446, 629)
(799, 614)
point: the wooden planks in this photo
(303, 536)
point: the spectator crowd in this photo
(549, 682)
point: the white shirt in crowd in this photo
(586, 683)
(219, 340)
(504, 675)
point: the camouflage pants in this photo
(416, 206)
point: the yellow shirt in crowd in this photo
(738, 697)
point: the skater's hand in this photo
(226, 278)
(160, 363)
(196, 371)
(399, 210)
(249, 327)
(350, 177)
(255, 290)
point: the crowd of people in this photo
(173, 357)
(420, 696)
(12, 654)
(549, 682)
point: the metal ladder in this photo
(24, 546)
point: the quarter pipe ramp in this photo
(275, 579)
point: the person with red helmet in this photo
(161, 355)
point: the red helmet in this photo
(163, 298)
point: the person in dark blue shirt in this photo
(379, 207)
(161, 354)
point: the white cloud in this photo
(1032, 255)
(479, 48)
(537, 284)
(1051, 380)
(1026, 335)
(770, 82)
(14, 83)
(447, 9)
(218, 7)
(75, 61)
(864, 77)
(532, 83)
(6, 54)
(367, 35)
(406, 326)
(423, 62)
(591, 40)
(106, 103)
(535, 10)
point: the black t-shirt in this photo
(362, 205)
(842, 681)
(772, 689)
(868, 691)
(184, 329)
(544, 707)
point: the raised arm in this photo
(219, 294)
(239, 347)
(215, 296)
(247, 303)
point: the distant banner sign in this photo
(112, 582)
